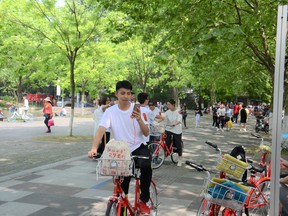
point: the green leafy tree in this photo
(68, 27)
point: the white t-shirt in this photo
(156, 111)
(26, 104)
(150, 117)
(123, 127)
(98, 113)
(171, 117)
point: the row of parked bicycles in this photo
(239, 186)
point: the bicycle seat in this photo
(257, 167)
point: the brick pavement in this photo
(69, 187)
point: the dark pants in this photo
(222, 121)
(103, 143)
(177, 138)
(214, 124)
(284, 199)
(47, 117)
(146, 173)
(235, 117)
(184, 120)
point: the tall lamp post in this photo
(277, 108)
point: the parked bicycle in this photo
(159, 151)
(13, 115)
(264, 165)
(119, 204)
(226, 195)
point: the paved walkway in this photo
(69, 187)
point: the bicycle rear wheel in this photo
(175, 156)
(11, 117)
(111, 209)
(29, 117)
(158, 155)
(153, 200)
(257, 205)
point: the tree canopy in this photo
(222, 49)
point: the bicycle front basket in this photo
(226, 193)
(113, 167)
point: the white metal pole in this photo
(277, 108)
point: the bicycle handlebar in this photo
(256, 135)
(212, 145)
(198, 167)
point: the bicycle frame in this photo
(162, 143)
(122, 199)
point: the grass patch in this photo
(65, 139)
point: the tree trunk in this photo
(72, 58)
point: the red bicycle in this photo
(160, 151)
(119, 204)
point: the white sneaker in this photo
(222, 130)
(244, 129)
(217, 129)
(179, 164)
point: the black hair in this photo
(103, 99)
(172, 101)
(141, 97)
(123, 84)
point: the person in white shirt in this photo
(25, 107)
(151, 116)
(104, 103)
(128, 124)
(63, 112)
(154, 134)
(173, 128)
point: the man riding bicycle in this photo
(128, 124)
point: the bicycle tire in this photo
(11, 117)
(153, 200)
(256, 198)
(158, 155)
(111, 209)
(204, 208)
(175, 156)
(29, 117)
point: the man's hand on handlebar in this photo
(92, 152)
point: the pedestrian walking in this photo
(48, 112)
(198, 114)
(243, 118)
(183, 111)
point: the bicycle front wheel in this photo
(111, 209)
(153, 200)
(11, 117)
(158, 155)
(204, 208)
(259, 202)
(175, 156)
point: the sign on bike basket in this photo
(116, 160)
